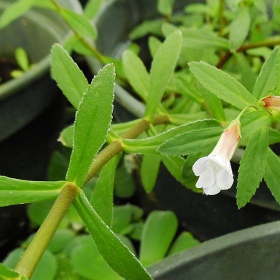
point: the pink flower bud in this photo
(271, 102)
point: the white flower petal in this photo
(224, 179)
(200, 166)
(206, 179)
(212, 190)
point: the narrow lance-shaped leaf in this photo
(271, 175)
(68, 76)
(79, 23)
(191, 142)
(149, 171)
(136, 73)
(239, 28)
(151, 144)
(114, 252)
(222, 85)
(163, 66)
(267, 78)
(91, 125)
(103, 192)
(15, 191)
(252, 167)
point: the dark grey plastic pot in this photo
(205, 216)
(251, 254)
(24, 98)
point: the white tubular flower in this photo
(214, 171)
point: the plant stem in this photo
(228, 55)
(116, 146)
(39, 244)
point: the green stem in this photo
(267, 43)
(88, 45)
(39, 244)
(116, 146)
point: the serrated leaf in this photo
(158, 233)
(163, 66)
(102, 196)
(214, 105)
(191, 142)
(15, 191)
(68, 76)
(271, 175)
(201, 38)
(222, 85)
(79, 23)
(151, 144)
(92, 123)
(238, 35)
(266, 80)
(253, 121)
(149, 171)
(252, 167)
(114, 252)
(136, 73)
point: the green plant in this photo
(182, 122)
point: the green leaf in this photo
(253, 121)
(66, 136)
(88, 262)
(14, 11)
(136, 73)
(214, 105)
(61, 238)
(7, 273)
(266, 80)
(91, 125)
(191, 142)
(124, 182)
(149, 171)
(102, 196)
(174, 165)
(163, 66)
(79, 23)
(222, 85)
(92, 7)
(158, 233)
(252, 167)
(114, 252)
(22, 58)
(15, 191)
(271, 175)
(202, 39)
(165, 7)
(151, 144)
(184, 241)
(46, 268)
(68, 76)
(239, 28)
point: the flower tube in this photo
(271, 102)
(214, 170)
